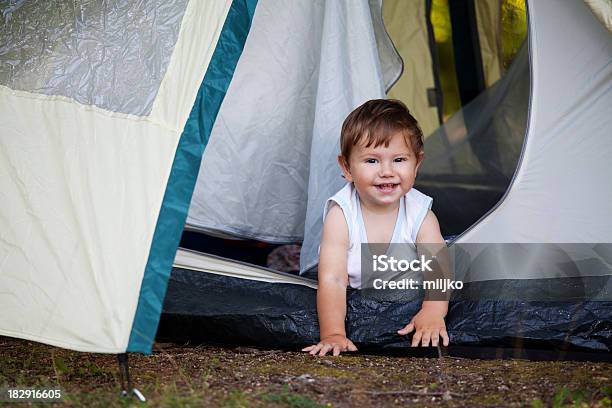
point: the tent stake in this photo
(126, 382)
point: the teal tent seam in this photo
(185, 169)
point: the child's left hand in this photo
(429, 325)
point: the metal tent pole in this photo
(126, 382)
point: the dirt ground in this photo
(195, 376)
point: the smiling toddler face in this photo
(381, 147)
(382, 174)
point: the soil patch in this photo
(176, 375)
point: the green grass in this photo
(565, 397)
(286, 398)
(220, 377)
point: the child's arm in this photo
(331, 293)
(429, 321)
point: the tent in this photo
(109, 114)
(106, 110)
(101, 141)
(556, 298)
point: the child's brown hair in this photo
(375, 122)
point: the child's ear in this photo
(346, 170)
(420, 157)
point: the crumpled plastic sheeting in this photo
(109, 53)
(202, 307)
(206, 307)
(584, 325)
(564, 312)
(373, 323)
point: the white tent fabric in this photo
(197, 261)
(561, 192)
(271, 159)
(81, 184)
(339, 92)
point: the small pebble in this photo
(305, 378)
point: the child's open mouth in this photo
(386, 188)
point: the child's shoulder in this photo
(415, 195)
(345, 193)
(417, 207)
(429, 231)
(335, 227)
(343, 198)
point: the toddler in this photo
(381, 151)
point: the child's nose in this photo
(386, 169)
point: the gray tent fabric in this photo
(338, 99)
(485, 138)
(256, 161)
(271, 159)
(390, 61)
(470, 160)
(561, 191)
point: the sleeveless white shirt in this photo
(413, 209)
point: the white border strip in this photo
(197, 261)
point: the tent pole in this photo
(124, 377)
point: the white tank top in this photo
(413, 209)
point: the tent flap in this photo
(83, 180)
(184, 173)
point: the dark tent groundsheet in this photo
(209, 308)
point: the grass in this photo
(287, 398)
(578, 398)
(187, 376)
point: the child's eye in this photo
(371, 161)
(400, 159)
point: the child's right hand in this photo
(336, 343)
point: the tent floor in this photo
(207, 308)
